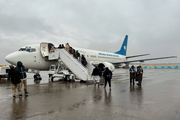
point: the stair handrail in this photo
(75, 58)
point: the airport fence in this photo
(158, 67)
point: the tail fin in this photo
(123, 49)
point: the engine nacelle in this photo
(103, 65)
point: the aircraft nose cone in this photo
(12, 58)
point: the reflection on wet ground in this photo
(157, 99)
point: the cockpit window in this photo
(27, 49)
(33, 49)
(22, 49)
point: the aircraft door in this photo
(44, 49)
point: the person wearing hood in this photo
(20, 67)
(14, 75)
(139, 75)
(108, 76)
(132, 74)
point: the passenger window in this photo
(52, 67)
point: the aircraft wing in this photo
(136, 56)
(142, 60)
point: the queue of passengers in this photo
(136, 75)
(61, 46)
(76, 54)
(73, 52)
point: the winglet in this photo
(123, 49)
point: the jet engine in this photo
(103, 65)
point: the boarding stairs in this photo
(80, 71)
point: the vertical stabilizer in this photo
(123, 49)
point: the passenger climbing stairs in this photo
(75, 66)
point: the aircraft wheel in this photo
(52, 78)
(50, 75)
(68, 77)
(39, 77)
(35, 76)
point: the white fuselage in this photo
(34, 60)
(100, 56)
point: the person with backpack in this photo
(96, 75)
(108, 76)
(14, 75)
(20, 67)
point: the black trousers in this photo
(132, 80)
(139, 82)
(109, 81)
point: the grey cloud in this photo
(14, 24)
(152, 26)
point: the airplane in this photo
(35, 56)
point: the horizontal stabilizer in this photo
(136, 56)
(142, 60)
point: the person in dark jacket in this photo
(70, 50)
(78, 54)
(14, 75)
(108, 76)
(96, 75)
(83, 60)
(132, 74)
(74, 54)
(139, 75)
(20, 67)
(62, 46)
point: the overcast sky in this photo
(152, 25)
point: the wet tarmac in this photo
(157, 99)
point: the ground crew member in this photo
(16, 81)
(96, 75)
(108, 76)
(20, 67)
(132, 74)
(139, 75)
